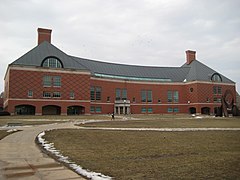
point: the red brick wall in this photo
(159, 91)
(23, 80)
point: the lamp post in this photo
(124, 103)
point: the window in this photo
(217, 90)
(217, 100)
(56, 94)
(143, 96)
(191, 89)
(159, 100)
(146, 95)
(71, 94)
(176, 110)
(92, 93)
(46, 94)
(144, 110)
(173, 96)
(98, 93)
(52, 62)
(216, 77)
(124, 94)
(134, 99)
(121, 94)
(98, 109)
(92, 109)
(30, 93)
(108, 99)
(118, 94)
(170, 110)
(95, 93)
(150, 110)
(149, 96)
(57, 81)
(47, 80)
(169, 96)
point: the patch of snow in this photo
(163, 129)
(12, 130)
(84, 172)
(198, 117)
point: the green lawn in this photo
(155, 155)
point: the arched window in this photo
(216, 77)
(52, 62)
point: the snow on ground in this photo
(12, 130)
(162, 129)
(84, 172)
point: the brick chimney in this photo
(191, 56)
(44, 35)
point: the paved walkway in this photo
(20, 158)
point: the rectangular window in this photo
(170, 110)
(176, 110)
(98, 93)
(149, 96)
(71, 94)
(124, 94)
(121, 94)
(217, 100)
(144, 110)
(46, 94)
(143, 96)
(56, 94)
(214, 89)
(30, 93)
(169, 96)
(175, 96)
(92, 93)
(219, 90)
(150, 110)
(92, 109)
(134, 100)
(47, 81)
(98, 109)
(57, 81)
(118, 94)
(108, 99)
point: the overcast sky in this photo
(142, 32)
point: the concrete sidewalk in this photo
(20, 158)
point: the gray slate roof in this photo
(35, 57)
(201, 72)
(175, 74)
(195, 71)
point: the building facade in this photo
(47, 81)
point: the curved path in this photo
(20, 158)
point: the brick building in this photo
(47, 81)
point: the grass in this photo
(155, 155)
(3, 134)
(171, 122)
(38, 120)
